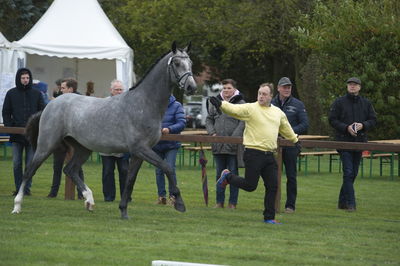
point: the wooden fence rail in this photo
(383, 147)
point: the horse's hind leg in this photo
(150, 156)
(80, 156)
(38, 158)
(134, 167)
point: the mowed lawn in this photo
(60, 232)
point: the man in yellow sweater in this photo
(263, 123)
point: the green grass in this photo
(59, 232)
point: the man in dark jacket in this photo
(19, 104)
(297, 116)
(174, 122)
(351, 116)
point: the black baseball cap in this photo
(355, 80)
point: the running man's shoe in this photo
(271, 222)
(222, 182)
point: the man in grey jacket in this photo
(225, 155)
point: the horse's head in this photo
(180, 69)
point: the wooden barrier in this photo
(375, 146)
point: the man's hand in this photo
(298, 147)
(350, 129)
(216, 102)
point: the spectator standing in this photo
(351, 116)
(57, 90)
(42, 87)
(225, 155)
(263, 123)
(110, 160)
(295, 112)
(173, 123)
(89, 88)
(19, 104)
(68, 85)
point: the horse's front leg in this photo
(150, 156)
(133, 170)
(37, 160)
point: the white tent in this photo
(74, 38)
(10, 61)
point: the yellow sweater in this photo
(263, 124)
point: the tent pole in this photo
(76, 69)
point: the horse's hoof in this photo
(124, 217)
(89, 206)
(15, 211)
(124, 214)
(179, 205)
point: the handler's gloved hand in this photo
(216, 102)
(298, 147)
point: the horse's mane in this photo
(150, 68)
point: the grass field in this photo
(59, 232)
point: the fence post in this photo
(278, 192)
(69, 185)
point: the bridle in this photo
(179, 79)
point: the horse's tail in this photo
(32, 129)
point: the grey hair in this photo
(114, 81)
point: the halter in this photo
(177, 77)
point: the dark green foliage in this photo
(357, 38)
(18, 16)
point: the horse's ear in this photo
(187, 49)
(173, 47)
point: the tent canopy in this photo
(78, 31)
(75, 29)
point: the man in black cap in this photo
(351, 116)
(297, 116)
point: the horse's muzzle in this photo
(190, 86)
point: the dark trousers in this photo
(58, 163)
(289, 157)
(108, 176)
(350, 162)
(259, 163)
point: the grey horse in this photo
(129, 122)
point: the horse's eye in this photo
(177, 63)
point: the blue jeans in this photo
(289, 157)
(108, 177)
(170, 157)
(351, 162)
(226, 161)
(18, 149)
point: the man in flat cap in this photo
(296, 113)
(351, 116)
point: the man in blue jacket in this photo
(19, 104)
(297, 116)
(174, 122)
